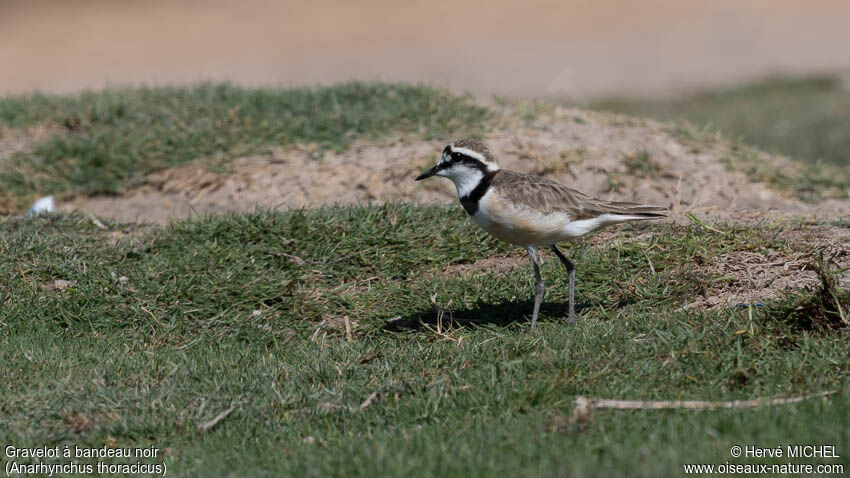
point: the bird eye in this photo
(457, 157)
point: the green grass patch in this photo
(113, 139)
(152, 335)
(807, 119)
(809, 182)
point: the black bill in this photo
(427, 174)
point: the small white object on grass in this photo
(43, 205)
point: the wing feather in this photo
(546, 196)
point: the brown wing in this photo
(548, 196)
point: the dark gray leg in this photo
(539, 287)
(571, 271)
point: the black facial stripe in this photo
(458, 158)
(474, 163)
(470, 201)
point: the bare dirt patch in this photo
(500, 263)
(286, 178)
(752, 277)
(59, 284)
(609, 156)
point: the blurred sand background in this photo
(577, 48)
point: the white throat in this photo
(466, 180)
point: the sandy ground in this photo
(590, 151)
(575, 48)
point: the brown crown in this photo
(477, 146)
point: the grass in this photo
(158, 332)
(315, 328)
(807, 119)
(105, 142)
(110, 140)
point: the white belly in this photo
(523, 226)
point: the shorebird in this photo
(529, 211)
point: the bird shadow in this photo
(500, 314)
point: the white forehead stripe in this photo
(471, 154)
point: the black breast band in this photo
(470, 201)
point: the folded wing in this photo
(545, 196)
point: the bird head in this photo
(462, 161)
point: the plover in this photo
(529, 211)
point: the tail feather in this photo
(610, 218)
(634, 210)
